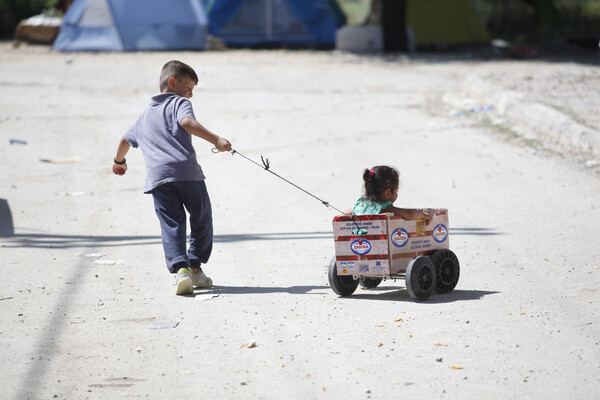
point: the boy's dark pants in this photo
(169, 202)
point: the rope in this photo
(266, 166)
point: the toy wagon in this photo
(371, 248)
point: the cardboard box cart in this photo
(371, 248)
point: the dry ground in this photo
(522, 323)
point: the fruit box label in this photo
(382, 244)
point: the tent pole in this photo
(269, 19)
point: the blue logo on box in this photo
(399, 237)
(360, 246)
(440, 233)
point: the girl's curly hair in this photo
(378, 179)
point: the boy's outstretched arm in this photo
(195, 128)
(124, 146)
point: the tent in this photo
(133, 25)
(445, 21)
(275, 23)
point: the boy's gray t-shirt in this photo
(166, 146)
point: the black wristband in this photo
(119, 163)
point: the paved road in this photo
(523, 321)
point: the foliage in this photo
(580, 18)
(518, 20)
(521, 21)
(13, 11)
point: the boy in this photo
(174, 178)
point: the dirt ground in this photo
(88, 309)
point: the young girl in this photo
(381, 190)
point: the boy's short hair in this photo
(177, 69)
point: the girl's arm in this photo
(408, 213)
(195, 128)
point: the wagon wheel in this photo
(447, 270)
(369, 283)
(342, 285)
(420, 278)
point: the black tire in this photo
(420, 278)
(369, 283)
(341, 285)
(447, 269)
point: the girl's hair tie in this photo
(371, 172)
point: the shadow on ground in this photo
(235, 290)
(379, 293)
(6, 222)
(391, 294)
(57, 241)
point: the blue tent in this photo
(133, 25)
(275, 23)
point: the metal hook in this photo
(265, 162)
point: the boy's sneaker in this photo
(183, 281)
(200, 280)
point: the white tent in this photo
(133, 25)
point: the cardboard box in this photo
(383, 245)
(38, 29)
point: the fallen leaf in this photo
(455, 367)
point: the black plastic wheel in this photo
(420, 278)
(447, 270)
(369, 283)
(342, 285)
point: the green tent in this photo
(444, 21)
